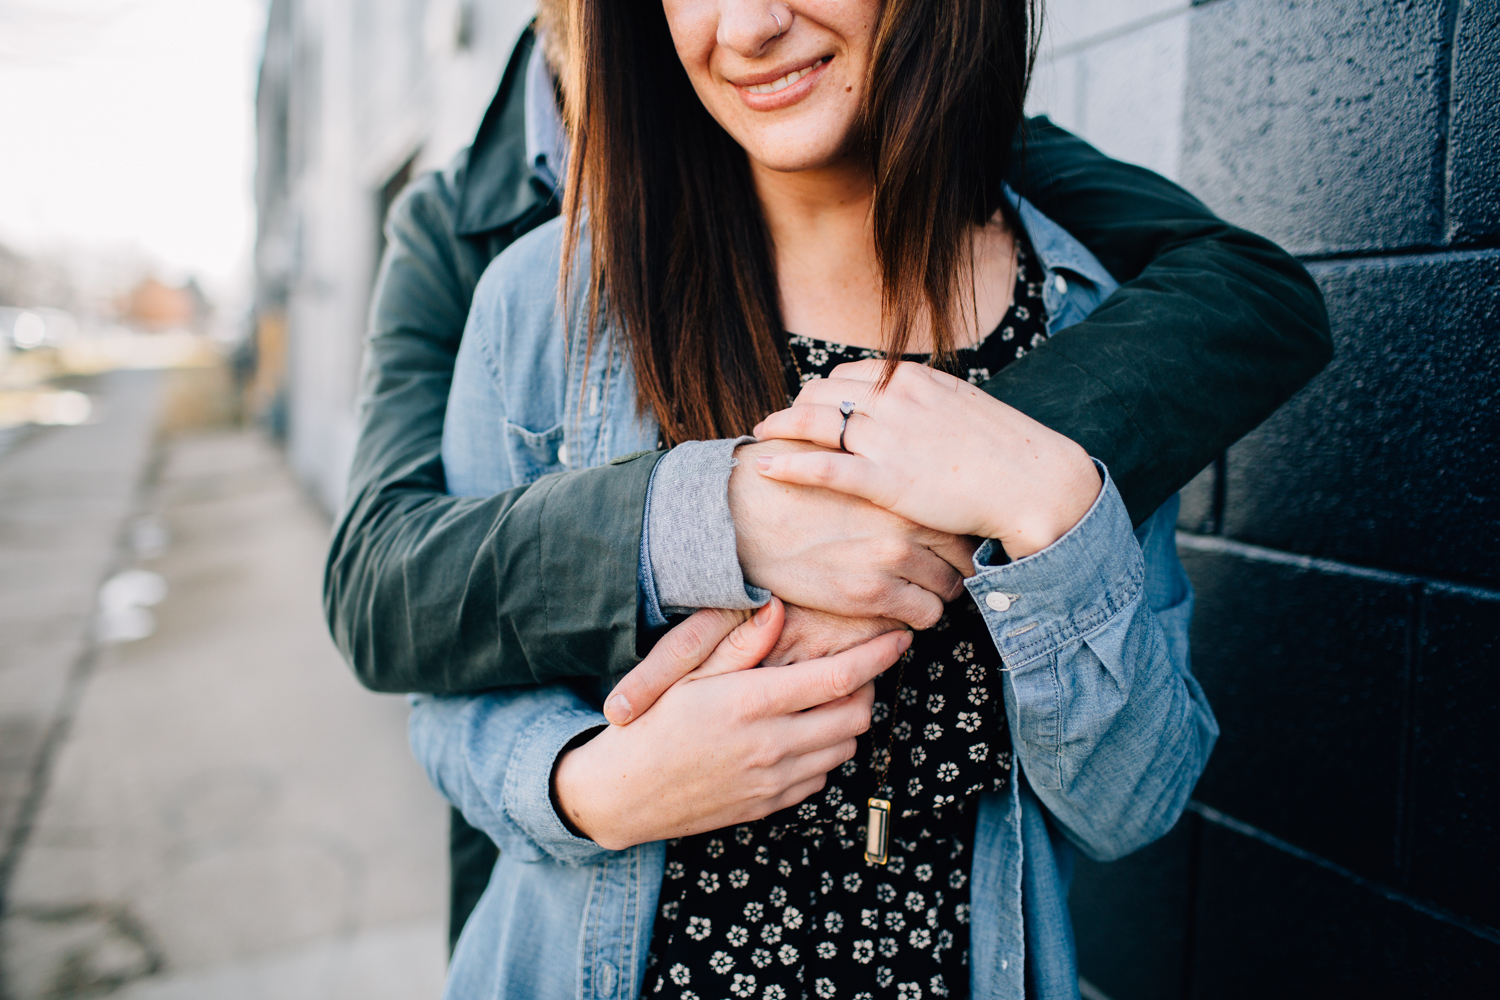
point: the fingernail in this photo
(763, 615)
(763, 462)
(904, 642)
(617, 709)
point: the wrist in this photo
(1073, 487)
(575, 797)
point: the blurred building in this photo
(354, 96)
(1346, 838)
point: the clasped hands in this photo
(856, 544)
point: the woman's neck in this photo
(822, 230)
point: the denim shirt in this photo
(1108, 726)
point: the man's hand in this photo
(833, 552)
(812, 635)
(727, 745)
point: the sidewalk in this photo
(227, 815)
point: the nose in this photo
(747, 26)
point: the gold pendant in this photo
(878, 832)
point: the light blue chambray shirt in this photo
(1109, 728)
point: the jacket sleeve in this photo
(1106, 719)
(1211, 330)
(427, 592)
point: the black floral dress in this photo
(787, 907)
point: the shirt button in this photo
(1061, 283)
(998, 601)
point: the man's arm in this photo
(1211, 330)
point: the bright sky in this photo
(131, 122)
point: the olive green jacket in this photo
(1211, 330)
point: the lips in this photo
(783, 82)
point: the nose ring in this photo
(779, 29)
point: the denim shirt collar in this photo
(546, 138)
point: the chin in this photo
(793, 154)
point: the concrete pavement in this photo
(226, 814)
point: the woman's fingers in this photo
(677, 654)
(851, 474)
(818, 423)
(748, 644)
(801, 686)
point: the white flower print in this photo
(957, 880)
(834, 795)
(715, 848)
(979, 695)
(669, 910)
(940, 800)
(689, 995)
(852, 882)
(947, 771)
(824, 987)
(897, 864)
(708, 882)
(1020, 352)
(675, 870)
(847, 812)
(833, 922)
(805, 811)
(720, 962)
(885, 892)
(738, 936)
(909, 696)
(963, 652)
(932, 731)
(935, 703)
(827, 950)
(968, 721)
(914, 787)
(923, 873)
(762, 855)
(869, 918)
(787, 955)
(979, 751)
(938, 987)
(1022, 312)
(774, 991)
(848, 768)
(978, 375)
(880, 759)
(863, 951)
(754, 911)
(918, 754)
(699, 928)
(760, 958)
(777, 895)
(1036, 339)
(791, 918)
(944, 940)
(864, 995)
(908, 991)
(743, 834)
(932, 913)
(920, 937)
(785, 868)
(879, 712)
(770, 933)
(680, 974)
(739, 878)
(883, 976)
(1008, 333)
(743, 985)
(934, 671)
(975, 673)
(901, 730)
(961, 911)
(896, 921)
(915, 901)
(888, 947)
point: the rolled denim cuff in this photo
(1037, 604)
(526, 794)
(689, 559)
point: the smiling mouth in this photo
(786, 81)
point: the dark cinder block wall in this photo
(1345, 840)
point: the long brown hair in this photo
(679, 252)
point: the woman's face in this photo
(789, 94)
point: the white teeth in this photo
(784, 82)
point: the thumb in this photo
(679, 653)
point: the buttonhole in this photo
(1021, 630)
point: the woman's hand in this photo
(937, 451)
(726, 744)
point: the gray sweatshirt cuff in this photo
(690, 533)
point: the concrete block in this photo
(1455, 797)
(1198, 512)
(1073, 24)
(1474, 124)
(1131, 94)
(1305, 671)
(1273, 925)
(1130, 917)
(1391, 457)
(1319, 125)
